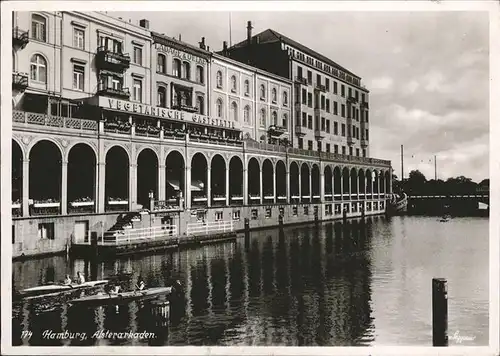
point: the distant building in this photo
(331, 107)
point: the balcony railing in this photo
(352, 99)
(364, 104)
(275, 130)
(350, 140)
(364, 142)
(319, 134)
(300, 130)
(301, 80)
(187, 108)
(321, 88)
(23, 117)
(123, 93)
(20, 38)
(114, 61)
(19, 81)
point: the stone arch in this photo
(114, 144)
(74, 143)
(39, 139)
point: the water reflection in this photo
(306, 285)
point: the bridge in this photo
(455, 203)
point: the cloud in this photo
(382, 83)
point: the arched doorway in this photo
(147, 177)
(81, 179)
(117, 179)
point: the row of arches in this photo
(46, 177)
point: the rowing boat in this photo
(56, 288)
(123, 297)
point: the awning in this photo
(174, 184)
(197, 186)
(482, 206)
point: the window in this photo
(262, 92)
(274, 95)
(234, 111)
(343, 110)
(322, 102)
(336, 148)
(176, 69)
(366, 134)
(304, 120)
(342, 89)
(255, 214)
(318, 79)
(299, 71)
(306, 210)
(323, 124)
(162, 97)
(309, 145)
(328, 126)
(38, 28)
(137, 90)
(219, 79)
(46, 231)
(246, 114)
(343, 150)
(236, 215)
(309, 76)
(200, 104)
(309, 122)
(263, 118)
(319, 145)
(309, 100)
(268, 213)
(233, 84)
(200, 77)
(38, 69)
(304, 96)
(219, 215)
(364, 152)
(138, 55)
(343, 129)
(301, 143)
(247, 87)
(357, 152)
(161, 65)
(328, 147)
(285, 121)
(350, 151)
(78, 77)
(327, 105)
(282, 211)
(335, 128)
(285, 98)
(295, 211)
(79, 38)
(218, 107)
(327, 84)
(186, 70)
(335, 108)
(13, 234)
(334, 87)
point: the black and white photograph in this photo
(226, 175)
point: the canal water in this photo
(332, 285)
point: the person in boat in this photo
(80, 279)
(67, 280)
(141, 285)
(115, 289)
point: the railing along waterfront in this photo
(209, 227)
(127, 236)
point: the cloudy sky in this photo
(427, 73)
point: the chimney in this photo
(202, 43)
(180, 38)
(144, 24)
(224, 46)
(208, 48)
(249, 31)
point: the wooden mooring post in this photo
(439, 312)
(161, 311)
(247, 232)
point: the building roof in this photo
(270, 36)
(161, 38)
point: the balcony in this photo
(113, 61)
(364, 142)
(122, 93)
(300, 130)
(19, 81)
(183, 107)
(350, 140)
(275, 130)
(20, 38)
(364, 104)
(301, 80)
(351, 99)
(320, 87)
(319, 134)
